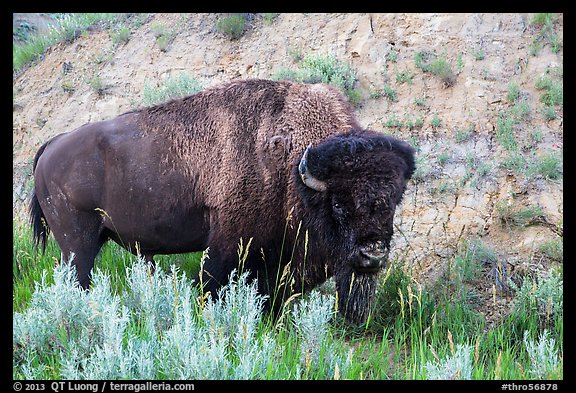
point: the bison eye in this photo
(338, 208)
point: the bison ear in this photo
(307, 178)
(407, 152)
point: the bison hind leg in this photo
(80, 239)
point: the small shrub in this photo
(96, 84)
(513, 92)
(120, 36)
(68, 86)
(463, 134)
(515, 161)
(158, 327)
(330, 70)
(354, 97)
(548, 112)
(549, 166)
(68, 28)
(460, 61)
(553, 91)
(435, 122)
(553, 249)
(423, 168)
(542, 296)
(420, 101)
(505, 131)
(311, 318)
(23, 32)
(164, 36)
(438, 66)
(295, 53)
(392, 56)
(419, 122)
(232, 26)
(537, 135)
(404, 77)
(543, 355)
(457, 366)
(520, 110)
(555, 44)
(374, 92)
(442, 187)
(544, 22)
(441, 68)
(479, 54)
(269, 17)
(542, 18)
(393, 122)
(389, 93)
(443, 158)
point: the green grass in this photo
(547, 164)
(67, 28)
(511, 216)
(416, 330)
(553, 90)
(29, 263)
(319, 68)
(173, 87)
(544, 24)
(505, 131)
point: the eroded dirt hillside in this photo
(468, 179)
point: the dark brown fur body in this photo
(212, 168)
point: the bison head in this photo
(351, 185)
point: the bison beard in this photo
(355, 294)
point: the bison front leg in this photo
(217, 268)
(215, 272)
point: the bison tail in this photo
(40, 228)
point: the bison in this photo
(283, 164)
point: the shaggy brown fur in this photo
(222, 165)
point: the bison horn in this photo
(307, 178)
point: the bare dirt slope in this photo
(462, 172)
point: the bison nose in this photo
(370, 260)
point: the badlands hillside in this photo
(478, 95)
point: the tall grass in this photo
(134, 324)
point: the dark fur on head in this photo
(365, 173)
